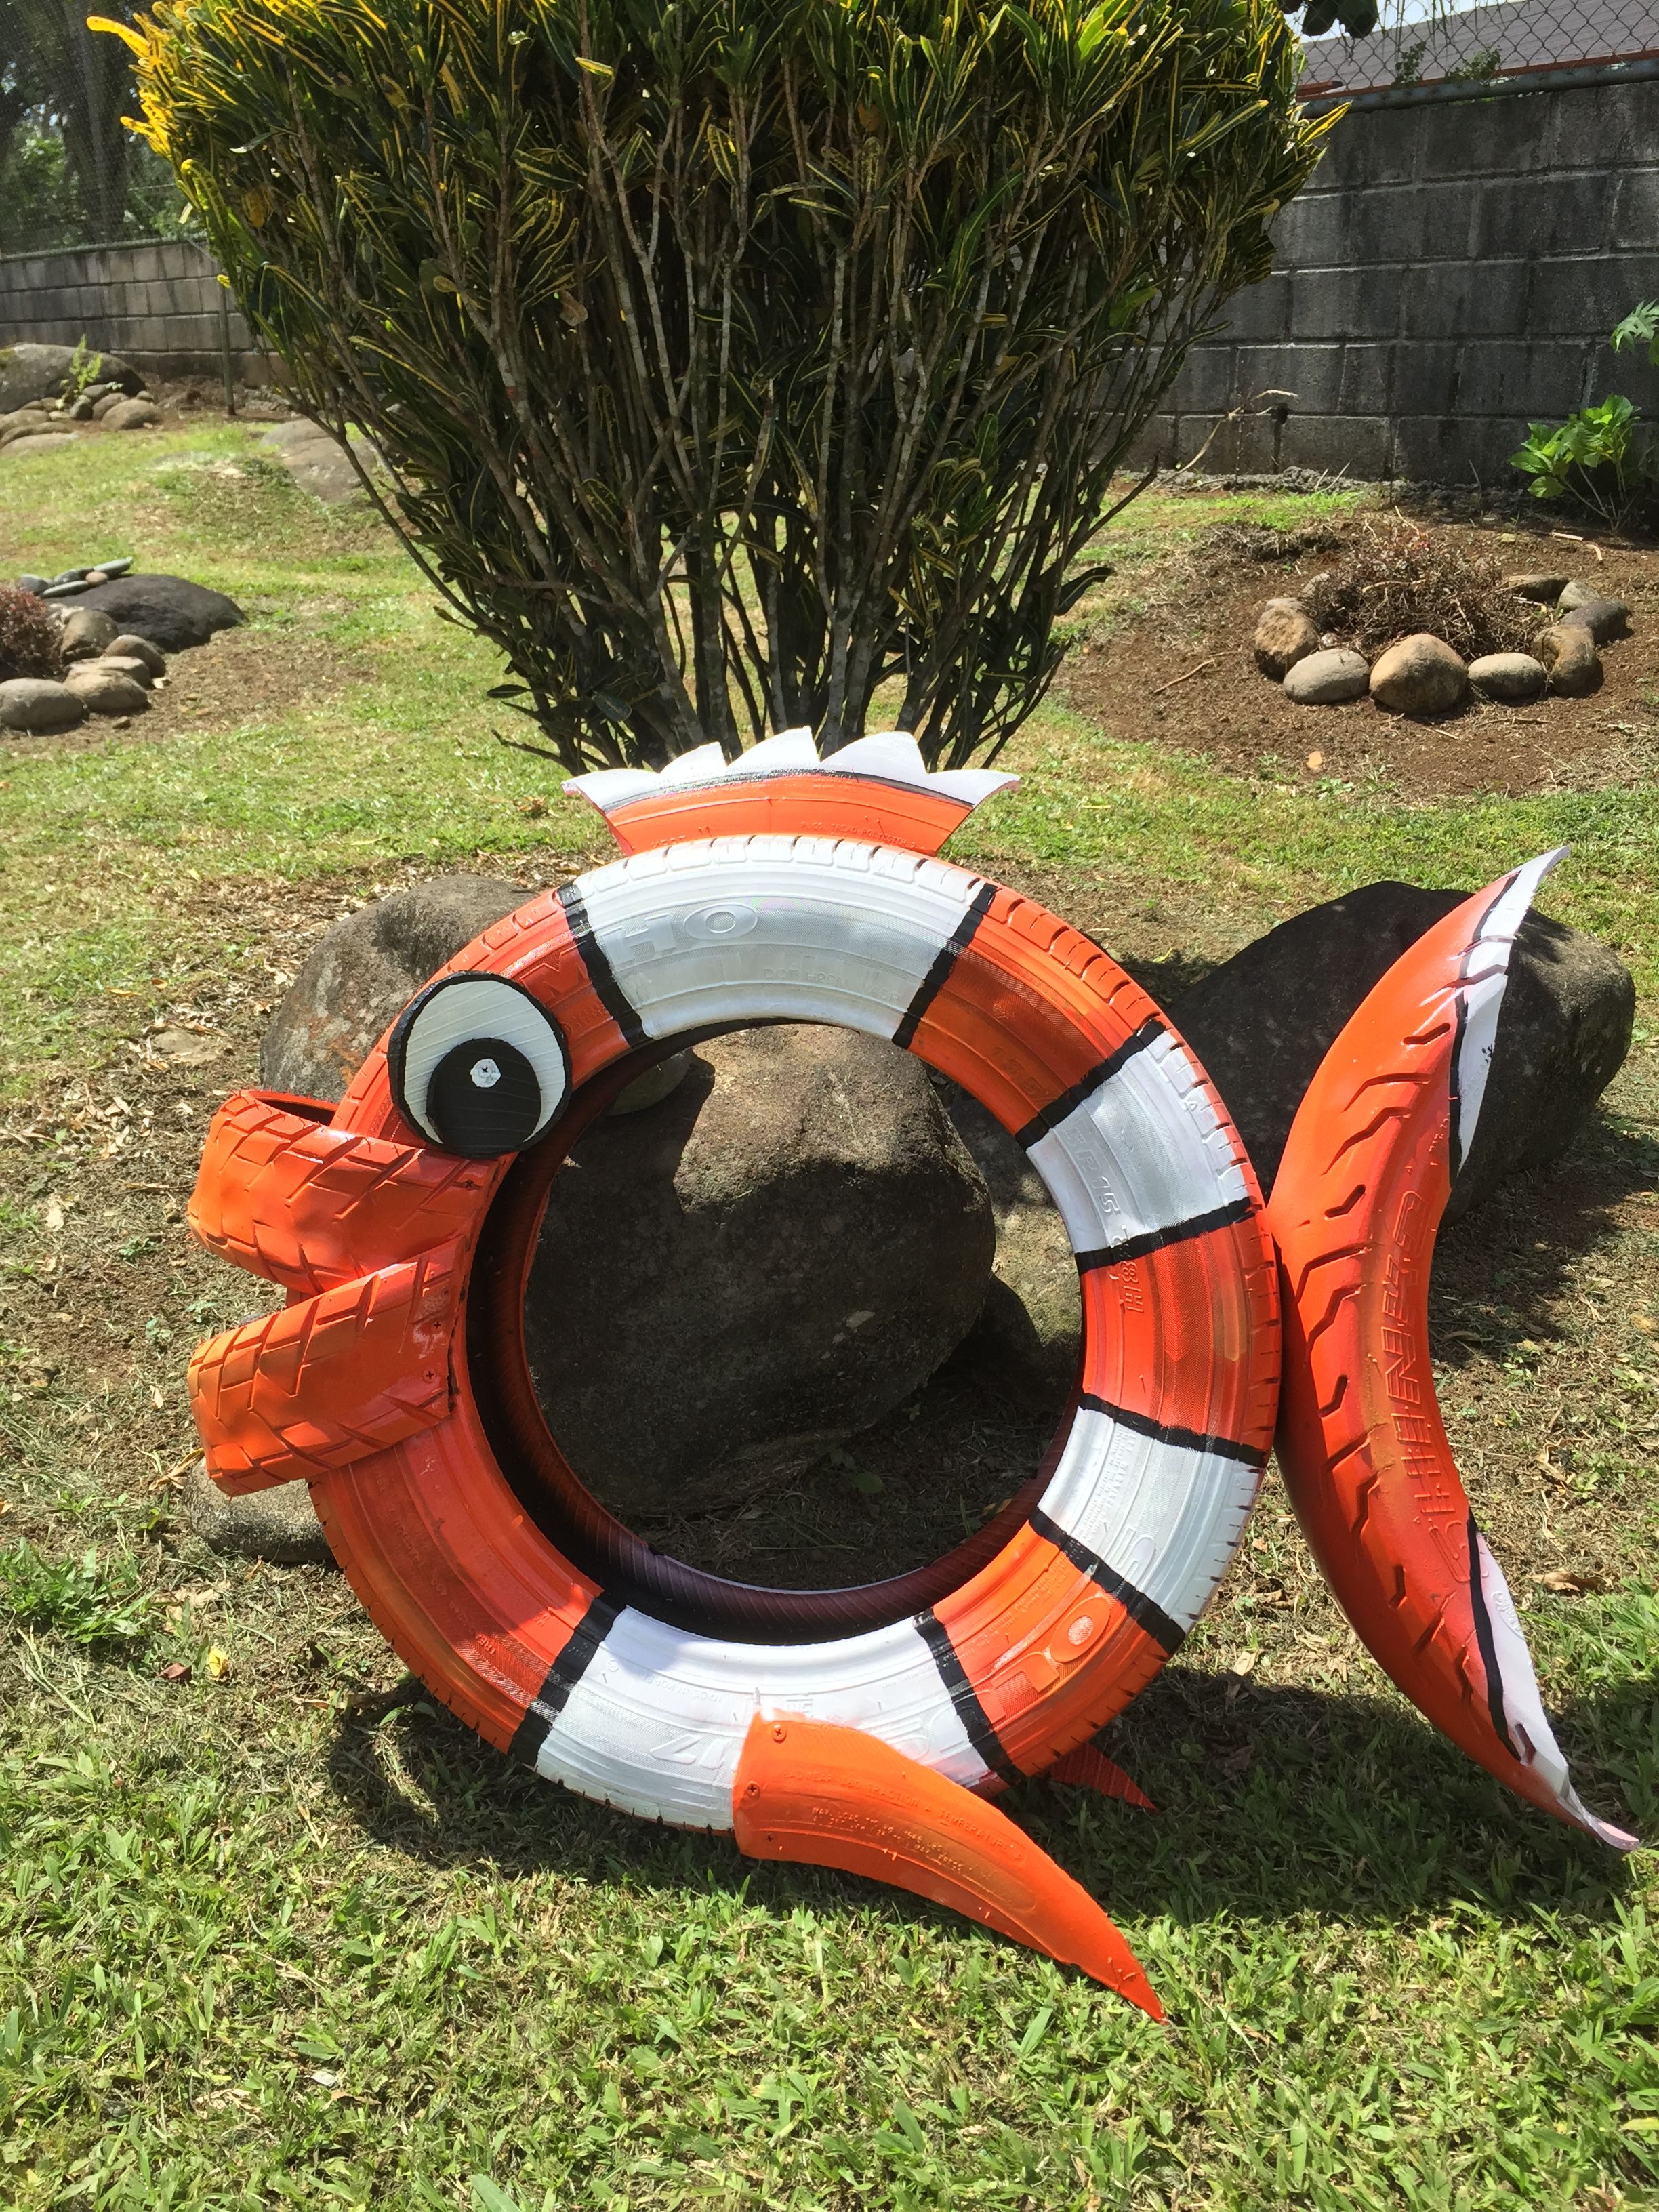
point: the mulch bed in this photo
(1204, 610)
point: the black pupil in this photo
(483, 1098)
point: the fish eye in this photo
(478, 1065)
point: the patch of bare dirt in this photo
(1182, 674)
(237, 676)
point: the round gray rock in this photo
(102, 689)
(42, 372)
(130, 415)
(45, 442)
(1328, 679)
(1263, 1021)
(128, 664)
(1511, 677)
(87, 632)
(1605, 619)
(173, 613)
(1568, 650)
(1574, 592)
(736, 1281)
(280, 1525)
(361, 974)
(1421, 675)
(130, 647)
(33, 703)
(1284, 633)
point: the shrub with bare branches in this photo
(31, 638)
(1398, 578)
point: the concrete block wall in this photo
(157, 306)
(1451, 275)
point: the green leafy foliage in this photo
(733, 361)
(92, 1601)
(1640, 327)
(1596, 456)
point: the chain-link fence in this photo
(1476, 45)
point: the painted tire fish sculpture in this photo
(869, 1728)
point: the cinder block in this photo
(1261, 311)
(1189, 435)
(1345, 445)
(1446, 216)
(1607, 127)
(1206, 382)
(1463, 448)
(1474, 299)
(1584, 297)
(1344, 303)
(1507, 136)
(1367, 385)
(1522, 382)
(1374, 146)
(1552, 215)
(1311, 373)
(1636, 209)
(1312, 232)
(1426, 378)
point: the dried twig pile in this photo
(1397, 579)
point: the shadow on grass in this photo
(1276, 1803)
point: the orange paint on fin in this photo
(820, 1795)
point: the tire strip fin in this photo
(1154, 1240)
(608, 992)
(1144, 1611)
(562, 1676)
(1487, 1644)
(1188, 1439)
(946, 959)
(975, 1721)
(1057, 1109)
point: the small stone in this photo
(1568, 650)
(1544, 589)
(280, 1525)
(119, 567)
(134, 647)
(87, 633)
(1421, 675)
(30, 703)
(1513, 677)
(80, 411)
(1328, 679)
(45, 442)
(104, 690)
(1574, 592)
(1284, 633)
(34, 585)
(70, 576)
(108, 404)
(654, 1086)
(1602, 618)
(128, 664)
(130, 415)
(96, 576)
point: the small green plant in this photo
(84, 368)
(92, 1602)
(1599, 455)
(1478, 68)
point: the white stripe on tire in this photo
(656, 1724)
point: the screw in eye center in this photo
(485, 1074)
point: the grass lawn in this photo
(278, 1931)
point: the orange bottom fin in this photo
(825, 1795)
(1086, 1768)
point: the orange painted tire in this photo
(1368, 1168)
(395, 1382)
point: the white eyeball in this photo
(478, 1065)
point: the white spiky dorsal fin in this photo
(890, 757)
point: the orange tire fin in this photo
(1089, 1768)
(821, 1795)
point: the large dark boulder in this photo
(360, 975)
(172, 612)
(1262, 1022)
(763, 1264)
(31, 372)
